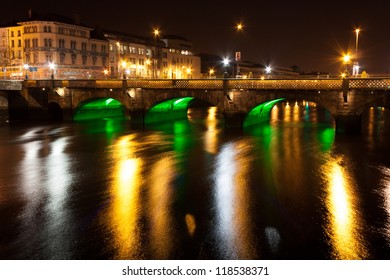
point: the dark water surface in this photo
(191, 189)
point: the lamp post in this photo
(225, 65)
(211, 72)
(124, 63)
(268, 70)
(26, 66)
(346, 59)
(156, 32)
(355, 70)
(189, 70)
(52, 66)
(146, 74)
(239, 28)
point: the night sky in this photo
(310, 34)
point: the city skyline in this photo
(310, 35)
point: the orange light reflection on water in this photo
(159, 208)
(344, 221)
(125, 208)
(211, 135)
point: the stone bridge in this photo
(345, 99)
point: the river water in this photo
(193, 189)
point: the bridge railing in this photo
(369, 83)
(296, 84)
(219, 84)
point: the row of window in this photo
(72, 32)
(13, 33)
(129, 49)
(48, 43)
(33, 58)
(183, 52)
(48, 29)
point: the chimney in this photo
(29, 13)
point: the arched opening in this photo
(55, 111)
(261, 113)
(99, 109)
(172, 109)
(295, 121)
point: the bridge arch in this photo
(172, 105)
(324, 99)
(98, 108)
(260, 113)
(171, 109)
(215, 98)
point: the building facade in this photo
(42, 48)
(133, 56)
(51, 46)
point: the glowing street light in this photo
(147, 62)
(188, 72)
(225, 65)
(124, 64)
(26, 66)
(52, 66)
(156, 33)
(211, 72)
(239, 28)
(268, 70)
(105, 73)
(355, 69)
(346, 59)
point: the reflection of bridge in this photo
(345, 99)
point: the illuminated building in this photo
(52, 46)
(134, 56)
(41, 40)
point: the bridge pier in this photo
(3, 107)
(234, 119)
(349, 124)
(136, 116)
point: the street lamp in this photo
(355, 69)
(105, 73)
(268, 70)
(26, 68)
(124, 63)
(52, 66)
(346, 59)
(156, 32)
(147, 68)
(239, 28)
(225, 65)
(188, 72)
(211, 72)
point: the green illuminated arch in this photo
(260, 113)
(98, 109)
(171, 109)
